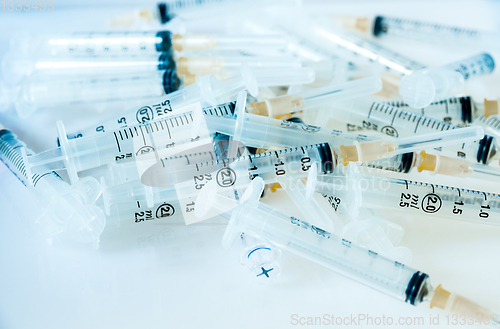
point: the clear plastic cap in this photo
(342, 91)
(74, 214)
(215, 91)
(379, 234)
(419, 89)
(261, 258)
(284, 77)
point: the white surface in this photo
(167, 275)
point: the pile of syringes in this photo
(156, 122)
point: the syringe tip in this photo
(352, 22)
(417, 90)
(457, 304)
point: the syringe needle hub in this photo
(456, 304)
(438, 164)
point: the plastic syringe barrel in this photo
(400, 123)
(264, 132)
(10, 155)
(473, 66)
(340, 255)
(207, 90)
(210, 64)
(344, 44)
(66, 208)
(130, 213)
(38, 91)
(198, 42)
(428, 85)
(95, 43)
(15, 67)
(455, 110)
(431, 32)
(146, 114)
(418, 198)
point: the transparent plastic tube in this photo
(141, 143)
(94, 43)
(122, 214)
(425, 86)
(328, 250)
(456, 110)
(340, 255)
(163, 12)
(208, 90)
(262, 132)
(167, 178)
(382, 26)
(66, 209)
(374, 150)
(213, 64)
(227, 42)
(44, 91)
(462, 111)
(275, 166)
(264, 77)
(317, 245)
(329, 68)
(397, 122)
(313, 98)
(15, 68)
(412, 197)
(350, 46)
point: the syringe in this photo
(313, 98)
(340, 255)
(66, 209)
(93, 43)
(173, 182)
(135, 43)
(397, 122)
(262, 132)
(163, 12)
(410, 197)
(456, 110)
(41, 91)
(295, 161)
(138, 212)
(462, 111)
(428, 85)
(329, 67)
(196, 65)
(133, 143)
(16, 68)
(382, 26)
(45, 91)
(352, 47)
(275, 166)
(208, 90)
(183, 183)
